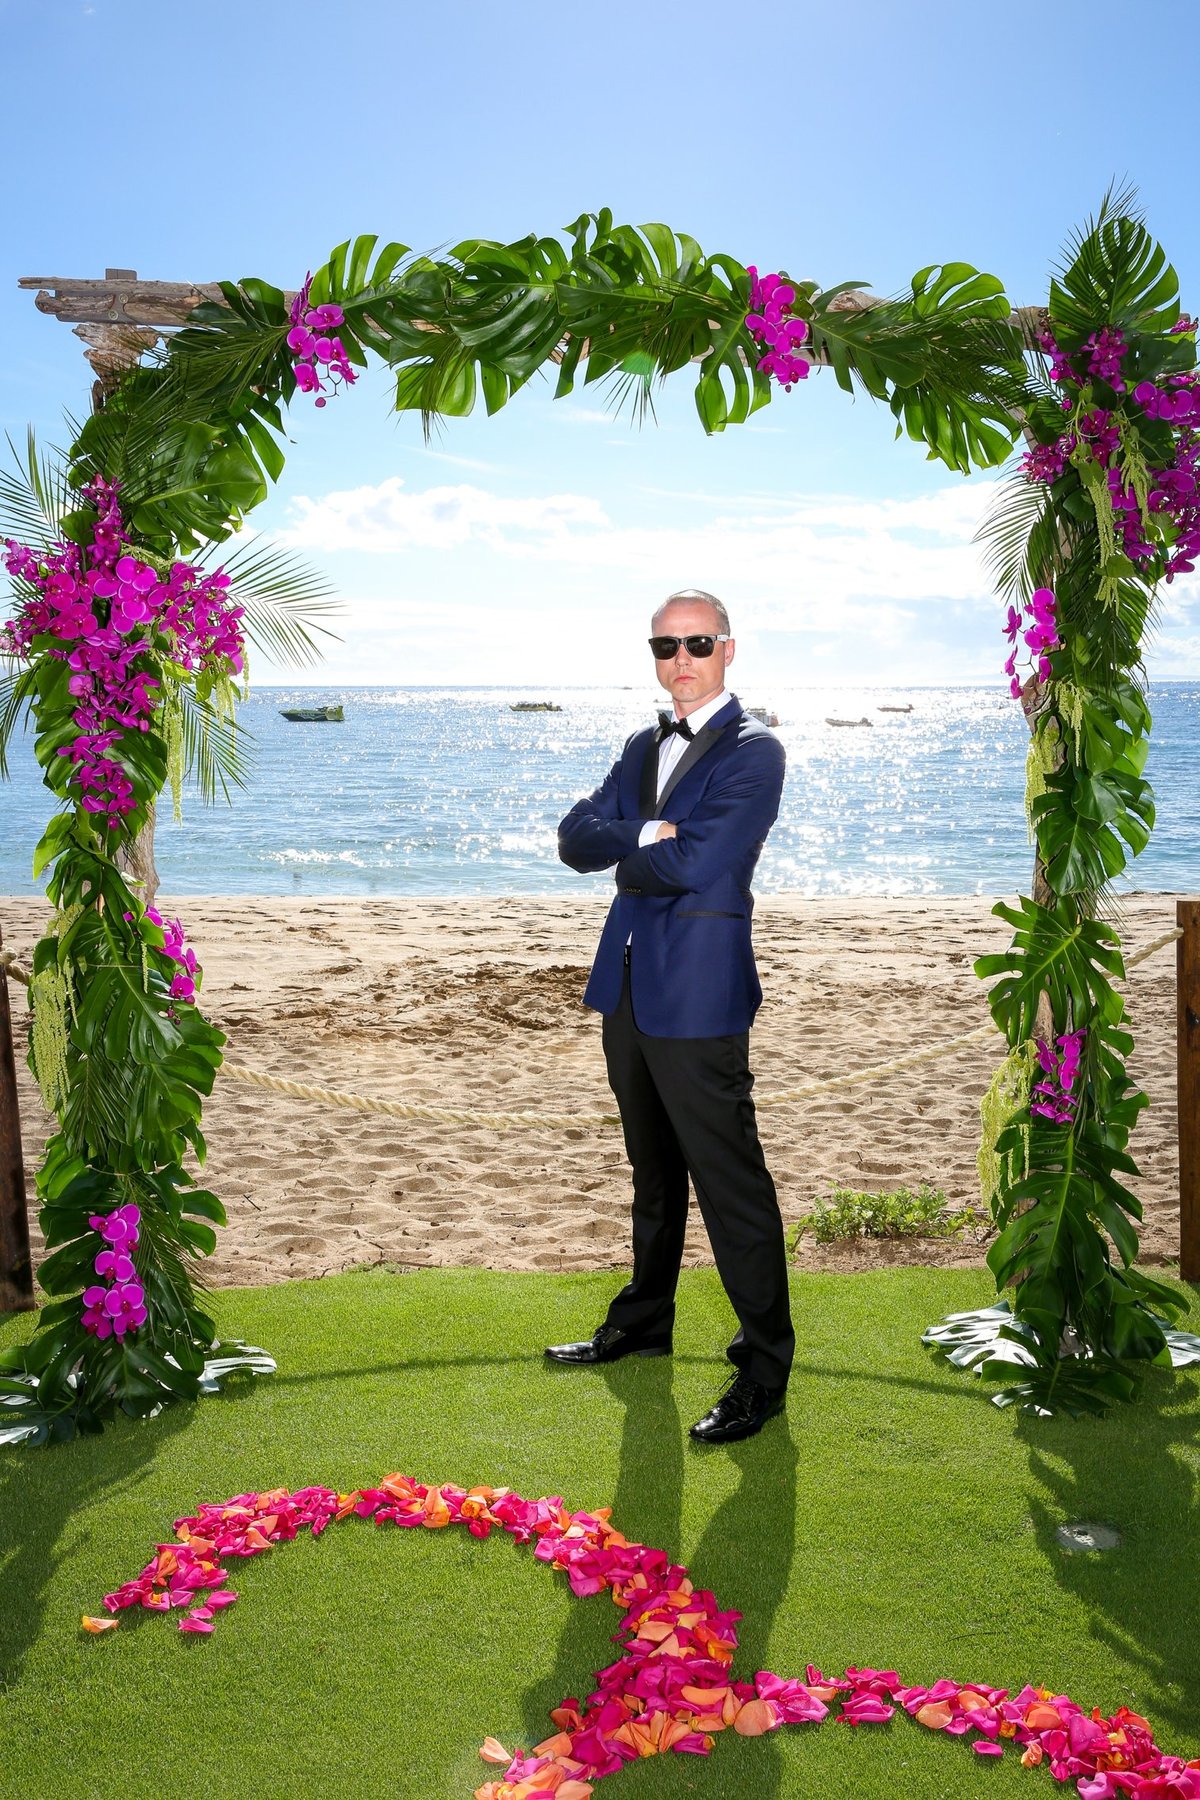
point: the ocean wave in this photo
(292, 856)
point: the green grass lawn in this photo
(895, 1518)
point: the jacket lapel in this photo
(699, 747)
(648, 788)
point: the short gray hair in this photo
(696, 594)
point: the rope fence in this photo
(503, 1121)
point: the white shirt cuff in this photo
(649, 833)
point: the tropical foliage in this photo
(1103, 506)
(187, 445)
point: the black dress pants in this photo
(686, 1110)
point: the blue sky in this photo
(230, 140)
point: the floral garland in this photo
(1155, 511)
(671, 1688)
(99, 610)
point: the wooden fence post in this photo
(16, 1264)
(1187, 969)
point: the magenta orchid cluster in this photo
(175, 945)
(119, 1304)
(672, 1688)
(1174, 494)
(101, 608)
(1055, 1096)
(770, 324)
(1040, 636)
(187, 978)
(320, 358)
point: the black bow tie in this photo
(666, 725)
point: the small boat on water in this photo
(851, 722)
(313, 715)
(763, 715)
(533, 706)
(899, 709)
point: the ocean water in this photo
(448, 791)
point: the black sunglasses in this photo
(664, 648)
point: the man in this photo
(683, 816)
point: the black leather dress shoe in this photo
(742, 1409)
(609, 1343)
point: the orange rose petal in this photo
(937, 1714)
(646, 1737)
(437, 1513)
(95, 1626)
(704, 1697)
(1043, 1718)
(1032, 1756)
(575, 1790)
(493, 1751)
(754, 1718)
(654, 1631)
(558, 1745)
(969, 1701)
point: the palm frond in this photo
(1118, 203)
(16, 699)
(1017, 509)
(284, 600)
(1115, 273)
(214, 753)
(33, 496)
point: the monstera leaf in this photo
(1068, 959)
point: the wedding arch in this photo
(128, 638)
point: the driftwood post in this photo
(1187, 968)
(16, 1264)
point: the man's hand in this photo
(665, 830)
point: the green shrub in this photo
(849, 1213)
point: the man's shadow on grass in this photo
(43, 1492)
(1135, 1469)
(744, 1555)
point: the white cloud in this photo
(386, 519)
(821, 587)
(799, 564)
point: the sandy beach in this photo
(476, 1003)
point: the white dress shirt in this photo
(670, 752)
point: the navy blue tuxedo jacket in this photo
(686, 900)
